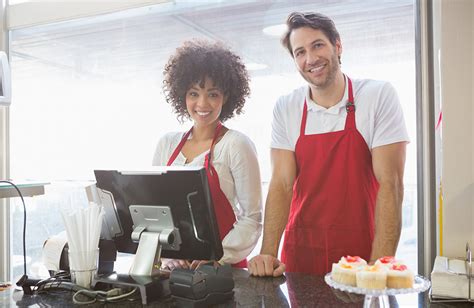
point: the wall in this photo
(457, 83)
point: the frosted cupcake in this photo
(400, 277)
(344, 273)
(386, 261)
(372, 277)
(345, 270)
(355, 261)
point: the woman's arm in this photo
(245, 171)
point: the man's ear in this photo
(339, 48)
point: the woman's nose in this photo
(202, 100)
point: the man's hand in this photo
(266, 265)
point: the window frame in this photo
(18, 17)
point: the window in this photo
(88, 92)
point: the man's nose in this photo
(311, 57)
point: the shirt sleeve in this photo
(244, 167)
(389, 125)
(162, 151)
(280, 138)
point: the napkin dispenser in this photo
(451, 279)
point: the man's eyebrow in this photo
(313, 42)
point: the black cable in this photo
(24, 223)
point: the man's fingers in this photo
(269, 266)
(251, 267)
(266, 265)
(279, 270)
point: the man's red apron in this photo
(333, 204)
(224, 213)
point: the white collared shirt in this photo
(235, 160)
(379, 115)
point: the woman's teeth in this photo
(201, 113)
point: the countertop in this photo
(291, 290)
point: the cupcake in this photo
(353, 260)
(386, 261)
(344, 273)
(399, 277)
(345, 270)
(372, 277)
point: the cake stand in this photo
(379, 298)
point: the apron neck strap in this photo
(179, 147)
(350, 107)
(217, 132)
(185, 138)
(303, 119)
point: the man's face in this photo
(315, 57)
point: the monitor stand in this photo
(145, 271)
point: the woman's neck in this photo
(204, 133)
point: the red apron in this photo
(333, 203)
(224, 213)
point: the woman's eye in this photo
(213, 94)
(192, 94)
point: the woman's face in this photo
(204, 104)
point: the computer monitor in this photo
(172, 201)
(164, 212)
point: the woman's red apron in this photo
(333, 204)
(224, 213)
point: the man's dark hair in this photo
(312, 20)
(192, 63)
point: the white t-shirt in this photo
(378, 116)
(235, 160)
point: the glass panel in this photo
(88, 92)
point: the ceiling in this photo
(137, 43)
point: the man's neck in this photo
(331, 94)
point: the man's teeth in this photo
(316, 69)
(203, 113)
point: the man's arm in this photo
(388, 163)
(277, 208)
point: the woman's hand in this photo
(171, 264)
(196, 263)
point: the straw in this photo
(83, 232)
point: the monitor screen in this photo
(184, 190)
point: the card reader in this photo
(207, 285)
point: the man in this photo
(338, 156)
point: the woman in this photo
(207, 83)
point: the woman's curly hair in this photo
(192, 63)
